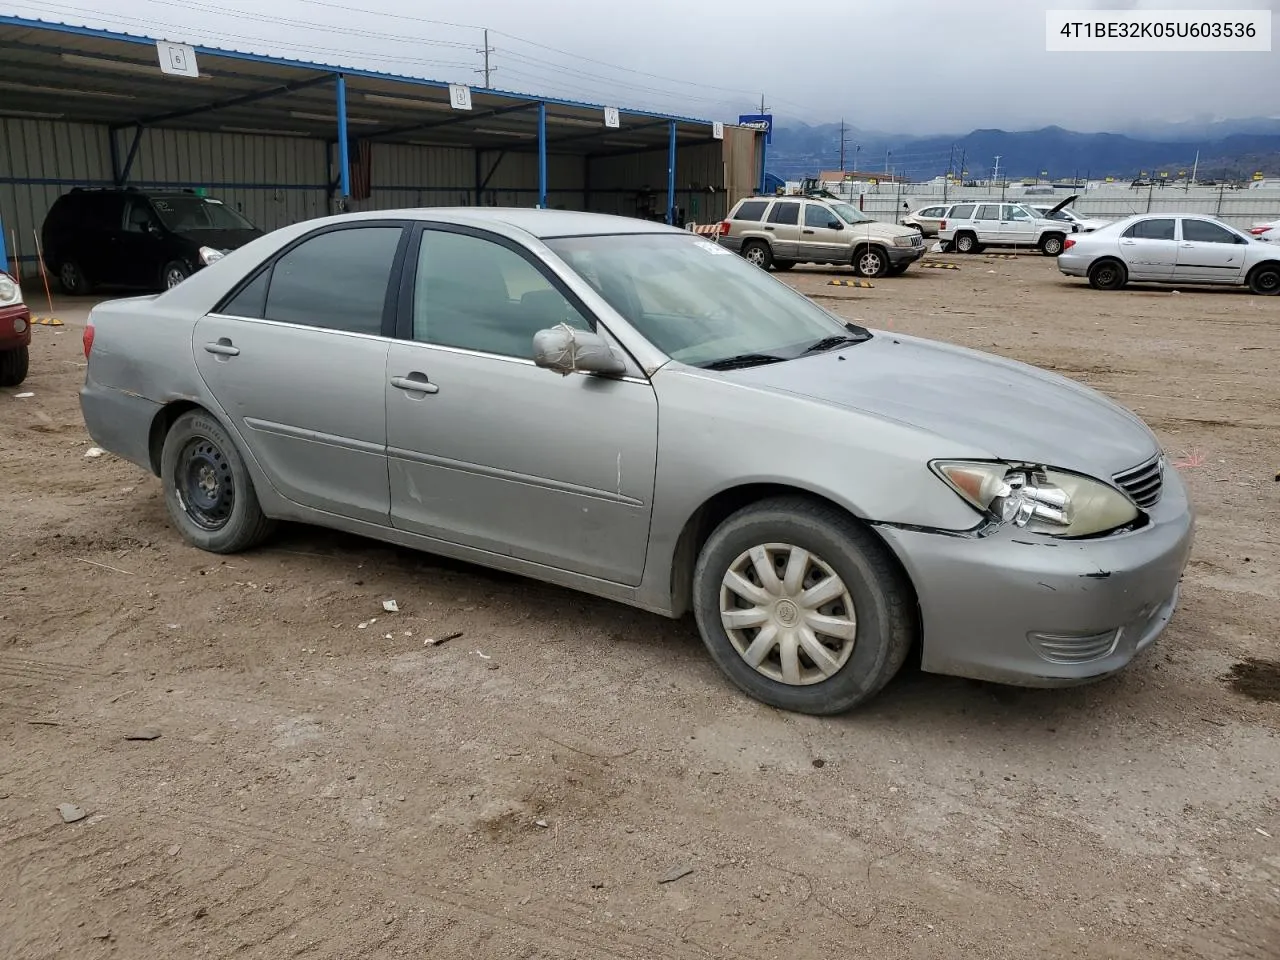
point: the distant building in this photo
(839, 176)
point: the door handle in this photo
(1188, 244)
(1129, 243)
(415, 383)
(223, 348)
(808, 231)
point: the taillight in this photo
(724, 228)
(1068, 243)
(942, 224)
(1258, 231)
(88, 338)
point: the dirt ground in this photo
(326, 786)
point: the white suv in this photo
(969, 227)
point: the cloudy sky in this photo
(924, 67)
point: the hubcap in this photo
(70, 279)
(756, 256)
(964, 244)
(788, 614)
(174, 277)
(870, 263)
(204, 484)
(1107, 276)
(1053, 246)
(1268, 281)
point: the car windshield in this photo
(181, 214)
(1063, 215)
(849, 214)
(698, 302)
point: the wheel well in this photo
(720, 507)
(1264, 263)
(1116, 260)
(160, 428)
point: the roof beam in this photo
(240, 101)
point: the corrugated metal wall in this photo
(617, 182)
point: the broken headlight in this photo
(1039, 499)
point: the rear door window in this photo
(785, 213)
(988, 211)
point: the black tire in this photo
(1107, 274)
(1265, 279)
(783, 264)
(897, 271)
(73, 280)
(946, 246)
(759, 253)
(870, 261)
(886, 623)
(14, 365)
(207, 487)
(174, 272)
(1051, 244)
(966, 243)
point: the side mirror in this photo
(834, 225)
(567, 350)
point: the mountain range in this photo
(1228, 149)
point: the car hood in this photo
(221, 239)
(1004, 409)
(879, 231)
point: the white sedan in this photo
(1172, 248)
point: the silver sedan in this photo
(1172, 248)
(624, 409)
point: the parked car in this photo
(1264, 230)
(927, 219)
(970, 227)
(1269, 236)
(1067, 215)
(1172, 248)
(15, 332)
(782, 232)
(131, 238)
(628, 410)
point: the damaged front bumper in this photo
(1033, 610)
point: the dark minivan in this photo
(134, 238)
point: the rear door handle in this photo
(223, 348)
(768, 228)
(415, 383)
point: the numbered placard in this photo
(611, 118)
(177, 59)
(717, 131)
(459, 96)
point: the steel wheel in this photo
(174, 274)
(204, 484)
(69, 275)
(788, 614)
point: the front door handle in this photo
(809, 231)
(415, 383)
(223, 348)
(1188, 244)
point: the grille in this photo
(1144, 483)
(1066, 649)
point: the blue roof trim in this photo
(37, 24)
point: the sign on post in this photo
(459, 96)
(717, 130)
(758, 121)
(611, 118)
(177, 59)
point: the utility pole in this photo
(1194, 168)
(487, 69)
(842, 144)
(995, 171)
(763, 108)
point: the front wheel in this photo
(783, 264)
(896, 271)
(14, 365)
(871, 262)
(1051, 245)
(802, 607)
(207, 487)
(74, 281)
(1265, 280)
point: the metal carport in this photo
(286, 139)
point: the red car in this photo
(15, 333)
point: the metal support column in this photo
(671, 172)
(764, 154)
(542, 156)
(344, 158)
(4, 255)
(478, 176)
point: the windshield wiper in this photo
(741, 360)
(827, 343)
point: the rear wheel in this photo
(1265, 280)
(207, 487)
(1107, 275)
(73, 280)
(758, 252)
(802, 607)
(1051, 244)
(966, 243)
(14, 365)
(870, 262)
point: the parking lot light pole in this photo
(671, 172)
(344, 158)
(542, 155)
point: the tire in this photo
(896, 271)
(965, 243)
(1265, 280)
(1108, 274)
(783, 264)
(870, 261)
(14, 365)
(759, 253)
(199, 454)
(174, 273)
(73, 280)
(1051, 244)
(884, 627)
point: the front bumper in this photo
(904, 255)
(1030, 610)
(11, 318)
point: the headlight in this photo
(1039, 499)
(209, 255)
(9, 291)
(906, 241)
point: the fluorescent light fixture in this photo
(576, 121)
(504, 133)
(32, 114)
(632, 143)
(414, 102)
(123, 66)
(64, 91)
(333, 118)
(258, 131)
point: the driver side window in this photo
(816, 215)
(477, 294)
(138, 217)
